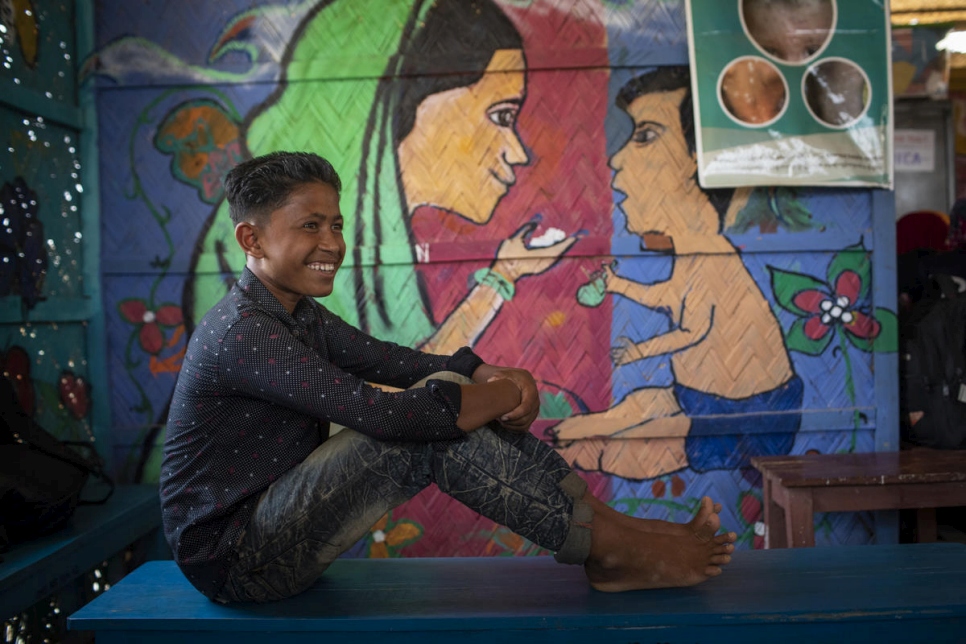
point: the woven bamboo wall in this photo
(187, 89)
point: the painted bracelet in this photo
(497, 282)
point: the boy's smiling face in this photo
(298, 249)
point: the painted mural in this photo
(520, 177)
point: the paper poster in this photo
(791, 92)
(915, 150)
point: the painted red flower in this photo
(149, 322)
(836, 308)
(15, 365)
(677, 485)
(74, 394)
(750, 508)
(841, 301)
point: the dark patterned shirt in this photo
(255, 395)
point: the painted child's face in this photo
(301, 246)
(656, 170)
(463, 145)
(789, 33)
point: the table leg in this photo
(926, 531)
(774, 519)
(801, 518)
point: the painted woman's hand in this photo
(626, 353)
(515, 259)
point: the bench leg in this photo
(774, 519)
(926, 530)
(801, 519)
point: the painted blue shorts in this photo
(726, 433)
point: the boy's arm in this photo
(382, 362)
(520, 417)
(487, 401)
(259, 358)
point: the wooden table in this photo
(898, 593)
(795, 487)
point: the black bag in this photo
(933, 367)
(41, 477)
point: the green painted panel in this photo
(40, 174)
(39, 47)
(48, 365)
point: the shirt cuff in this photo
(464, 362)
(449, 393)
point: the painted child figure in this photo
(726, 347)
(257, 500)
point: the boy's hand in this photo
(520, 418)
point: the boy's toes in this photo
(712, 571)
(721, 560)
(723, 549)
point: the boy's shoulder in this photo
(233, 308)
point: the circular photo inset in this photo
(837, 91)
(752, 91)
(792, 31)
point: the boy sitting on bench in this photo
(257, 499)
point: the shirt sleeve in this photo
(260, 357)
(387, 363)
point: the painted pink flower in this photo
(149, 322)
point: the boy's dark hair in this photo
(256, 187)
(672, 79)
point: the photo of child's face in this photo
(790, 30)
(753, 91)
(836, 92)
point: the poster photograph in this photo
(791, 92)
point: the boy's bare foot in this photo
(704, 525)
(625, 558)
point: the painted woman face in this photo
(461, 152)
(656, 170)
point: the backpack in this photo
(41, 477)
(933, 367)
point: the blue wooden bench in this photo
(36, 569)
(907, 593)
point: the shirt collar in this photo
(256, 291)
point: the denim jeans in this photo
(324, 505)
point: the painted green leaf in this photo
(888, 339)
(853, 258)
(796, 340)
(786, 285)
(555, 405)
(772, 208)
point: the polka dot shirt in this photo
(254, 398)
